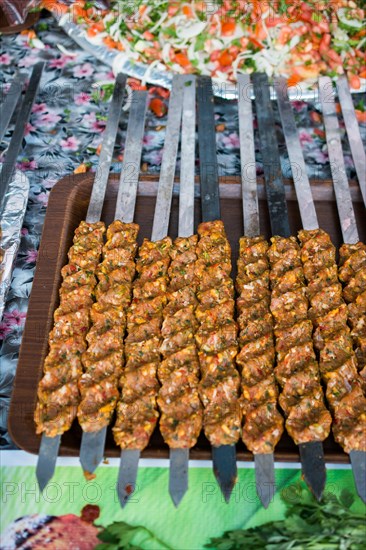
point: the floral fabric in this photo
(65, 130)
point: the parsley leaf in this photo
(308, 525)
(123, 536)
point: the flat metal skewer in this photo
(10, 102)
(264, 463)
(224, 456)
(353, 132)
(130, 457)
(311, 454)
(178, 472)
(50, 445)
(348, 224)
(93, 443)
(8, 166)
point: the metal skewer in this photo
(10, 102)
(178, 473)
(130, 457)
(353, 132)
(49, 447)
(264, 463)
(311, 454)
(8, 166)
(348, 223)
(224, 456)
(93, 443)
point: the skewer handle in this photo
(338, 169)
(209, 177)
(102, 174)
(167, 172)
(353, 132)
(247, 157)
(275, 188)
(305, 200)
(127, 191)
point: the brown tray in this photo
(67, 207)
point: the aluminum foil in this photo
(160, 76)
(11, 222)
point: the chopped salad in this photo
(296, 39)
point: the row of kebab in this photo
(161, 335)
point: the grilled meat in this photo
(216, 337)
(103, 360)
(58, 394)
(137, 408)
(352, 273)
(179, 402)
(262, 422)
(332, 336)
(297, 370)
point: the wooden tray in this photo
(67, 207)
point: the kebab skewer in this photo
(58, 394)
(178, 400)
(137, 412)
(216, 337)
(332, 336)
(103, 360)
(262, 422)
(297, 372)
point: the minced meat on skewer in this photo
(216, 337)
(352, 272)
(58, 394)
(297, 370)
(333, 340)
(137, 409)
(262, 422)
(103, 360)
(179, 402)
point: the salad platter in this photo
(152, 41)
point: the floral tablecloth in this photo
(65, 130)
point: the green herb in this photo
(316, 17)
(282, 8)
(309, 524)
(361, 105)
(122, 536)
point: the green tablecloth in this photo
(202, 514)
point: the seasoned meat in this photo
(262, 424)
(103, 360)
(352, 273)
(333, 337)
(137, 409)
(58, 393)
(178, 400)
(297, 370)
(216, 337)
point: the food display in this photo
(297, 370)
(179, 372)
(298, 40)
(216, 337)
(263, 423)
(137, 412)
(333, 340)
(58, 392)
(167, 339)
(104, 358)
